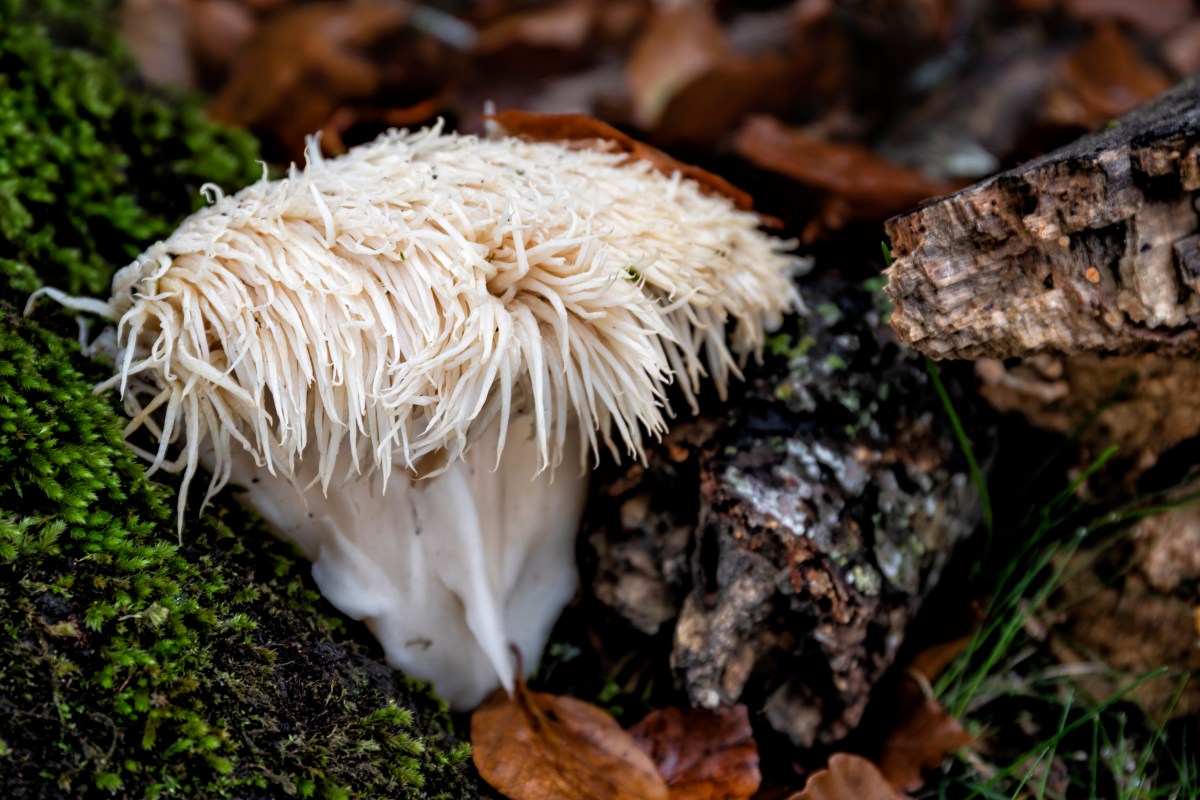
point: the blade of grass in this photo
(964, 444)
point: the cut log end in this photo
(1093, 247)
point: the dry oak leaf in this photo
(536, 746)
(848, 777)
(155, 31)
(933, 660)
(703, 755)
(687, 83)
(305, 63)
(218, 31)
(565, 25)
(1102, 79)
(921, 742)
(859, 184)
(588, 131)
(682, 42)
(1155, 17)
(1181, 50)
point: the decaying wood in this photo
(1145, 404)
(1090, 248)
(789, 543)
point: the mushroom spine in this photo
(409, 354)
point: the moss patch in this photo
(132, 666)
(135, 665)
(91, 168)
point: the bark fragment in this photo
(791, 541)
(1088, 248)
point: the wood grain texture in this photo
(1090, 248)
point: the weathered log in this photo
(1090, 248)
(1144, 404)
(791, 541)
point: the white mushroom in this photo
(408, 355)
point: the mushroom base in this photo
(448, 572)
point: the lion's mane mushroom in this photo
(408, 354)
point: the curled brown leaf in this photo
(306, 63)
(566, 25)
(921, 743)
(590, 132)
(1102, 79)
(702, 755)
(536, 746)
(682, 42)
(848, 777)
(858, 183)
(1155, 17)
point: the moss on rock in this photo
(131, 665)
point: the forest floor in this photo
(1056, 656)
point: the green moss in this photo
(90, 169)
(131, 665)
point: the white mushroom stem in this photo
(448, 571)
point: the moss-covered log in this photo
(132, 665)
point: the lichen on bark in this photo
(131, 664)
(784, 546)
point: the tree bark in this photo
(790, 542)
(1090, 248)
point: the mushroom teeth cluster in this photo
(407, 305)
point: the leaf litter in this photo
(702, 755)
(537, 746)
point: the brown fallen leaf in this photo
(346, 117)
(1155, 17)
(848, 777)
(589, 132)
(536, 746)
(702, 755)
(688, 84)
(920, 743)
(155, 31)
(565, 25)
(1102, 79)
(302, 66)
(1132, 624)
(682, 42)
(713, 105)
(931, 661)
(218, 30)
(306, 63)
(1181, 50)
(860, 184)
